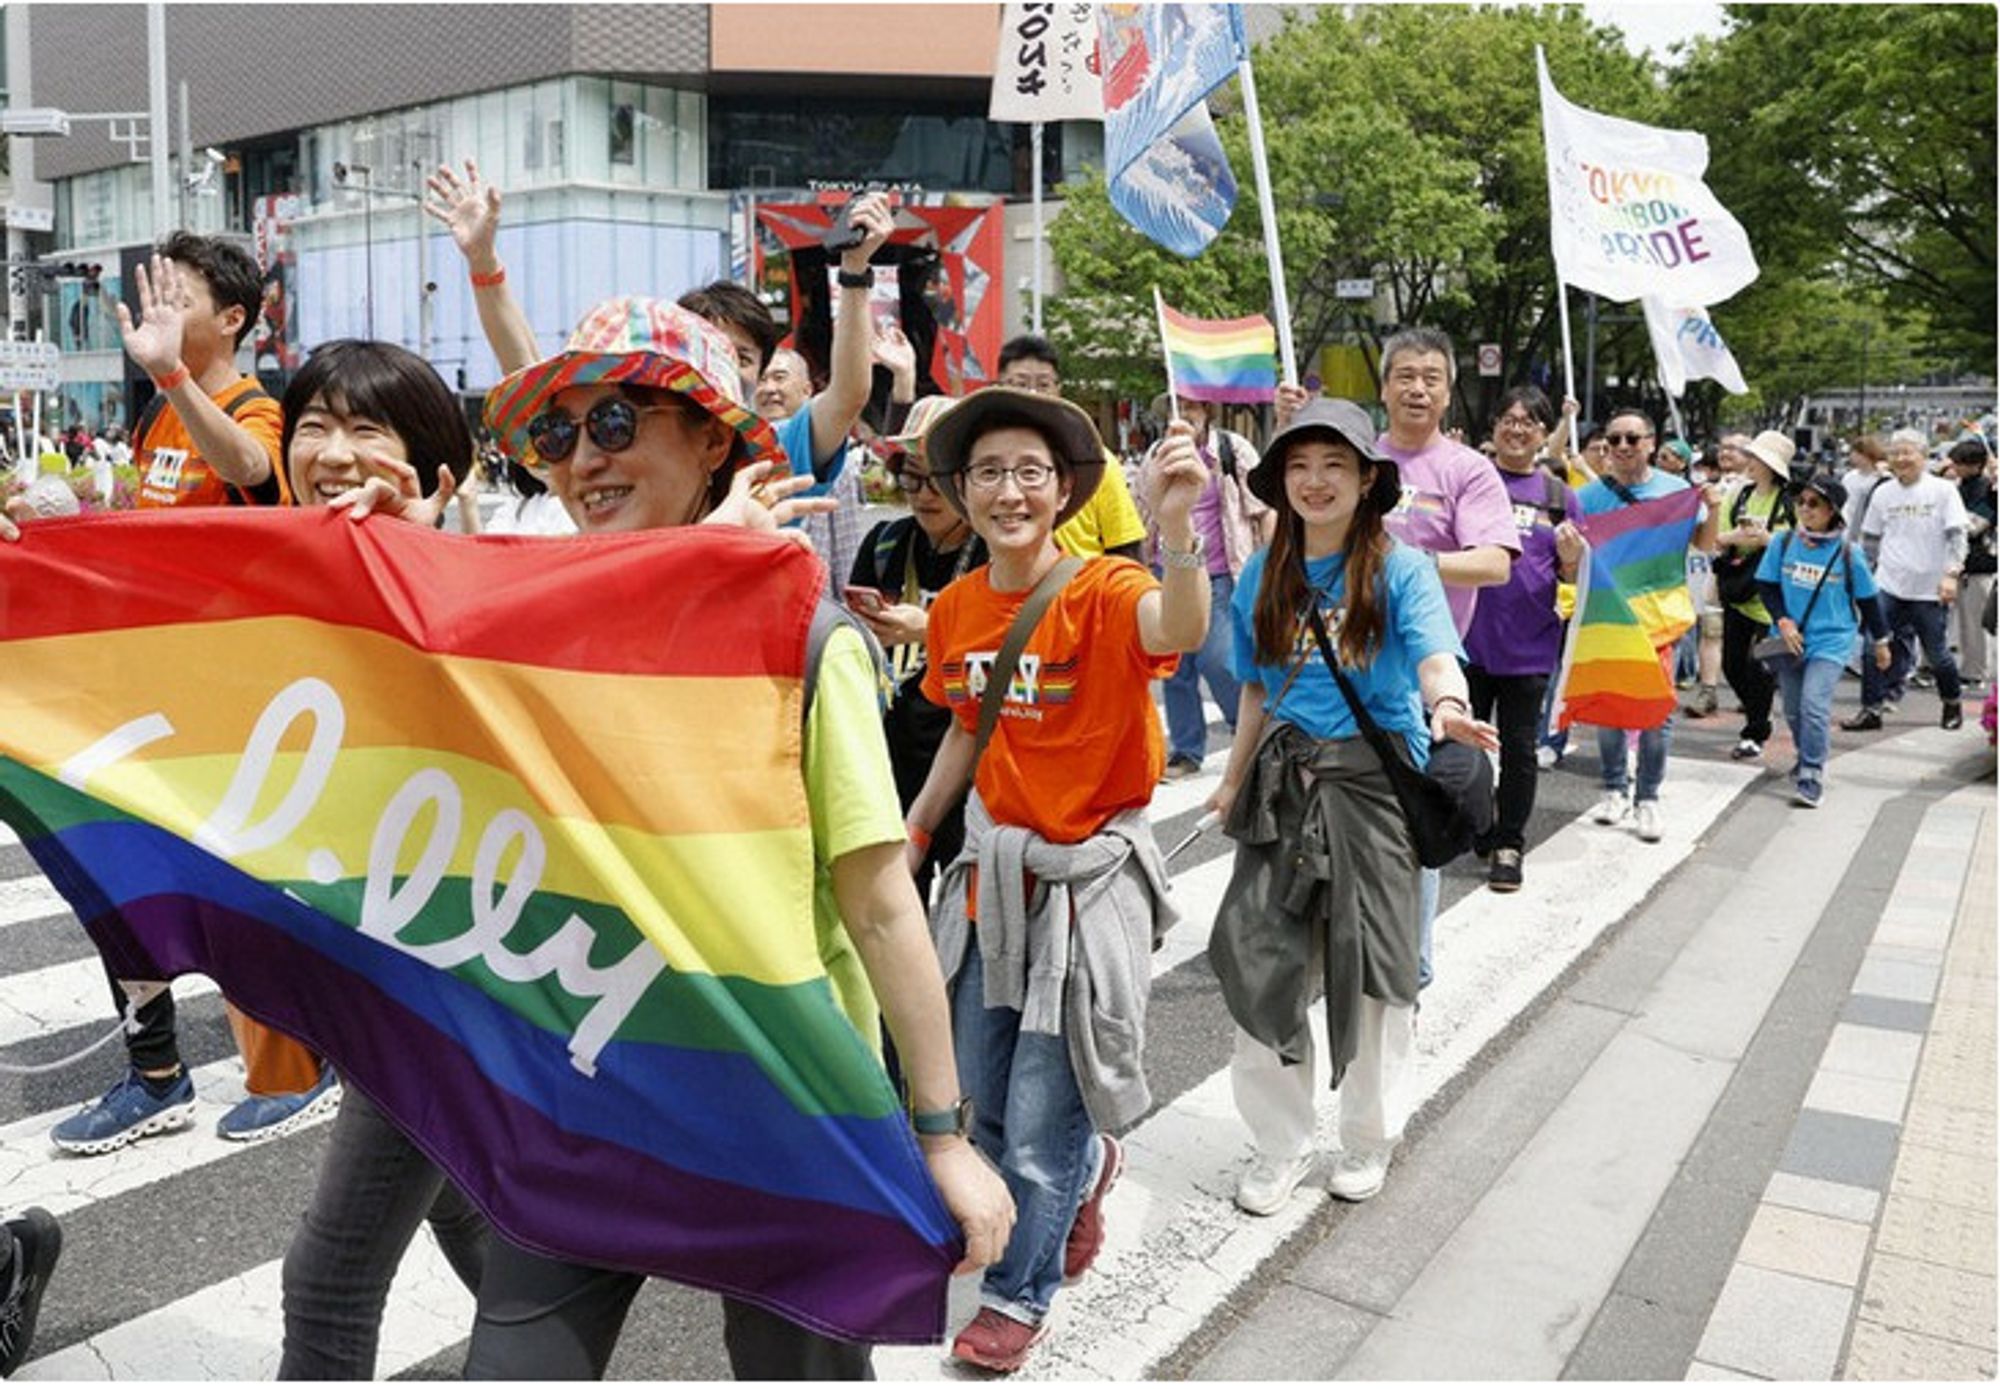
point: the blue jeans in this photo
(1652, 759)
(1029, 1120)
(1807, 688)
(1926, 620)
(1187, 730)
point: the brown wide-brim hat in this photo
(1343, 420)
(947, 443)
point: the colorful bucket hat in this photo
(635, 342)
(917, 423)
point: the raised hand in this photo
(758, 501)
(871, 213)
(891, 349)
(1177, 477)
(1288, 401)
(470, 210)
(154, 342)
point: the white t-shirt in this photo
(1922, 527)
(540, 514)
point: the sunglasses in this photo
(612, 424)
(1616, 440)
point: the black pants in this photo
(543, 1319)
(1746, 675)
(1513, 703)
(152, 1047)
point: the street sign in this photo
(1354, 289)
(30, 366)
(1489, 359)
(40, 219)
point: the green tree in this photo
(1857, 143)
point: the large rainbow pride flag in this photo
(1230, 361)
(514, 832)
(1625, 600)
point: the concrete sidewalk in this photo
(1608, 1199)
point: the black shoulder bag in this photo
(1447, 804)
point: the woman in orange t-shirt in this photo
(1059, 867)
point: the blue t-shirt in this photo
(795, 436)
(1795, 565)
(1596, 496)
(1417, 624)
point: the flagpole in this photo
(1673, 406)
(1569, 356)
(1035, 156)
(1268, 211)
(1173, 390)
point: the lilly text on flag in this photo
(520, 841)
(1227, 360)
(1166, 171)
(1629, 214)
(1688, 348)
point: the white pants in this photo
(1276, 1100)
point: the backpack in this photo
(157, 406)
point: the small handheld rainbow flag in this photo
(520, 841)
(1231, 361)
(1612, 675)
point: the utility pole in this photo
(156, 143)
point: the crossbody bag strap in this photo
(1813, 601)
(1002, 673)
(1370, 730)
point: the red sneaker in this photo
(1086, 1232)
(995, 1341)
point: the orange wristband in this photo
(177, 377)
(497, 278)
(919, 837)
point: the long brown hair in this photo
(1283, 593)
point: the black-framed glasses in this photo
(612, 424)
(912, 483)
(1616, 440)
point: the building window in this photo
(624, 148)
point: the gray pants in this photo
(1975, 647)
(374, 1189)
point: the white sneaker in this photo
(1359, 1175)
(1269, 1182)
(1545, 758)
(1646, 819)
(1611, 809)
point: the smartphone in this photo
(843, 235)
(864, 600)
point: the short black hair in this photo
(1969, 453)
(1591, 434)
(1635, 413)
(392, 386)
(1029, 347)
(725, 301)
(232, 277)
(1531, 399)
(1422, 342)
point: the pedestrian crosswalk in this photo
(1176, 1246)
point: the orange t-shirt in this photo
(1078, 739)
(171, 473)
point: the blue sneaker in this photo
(274, 1116)
(127, 1113)
(1807, 794)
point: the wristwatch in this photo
(1195, 558)
(955, 1122)
(854, 279)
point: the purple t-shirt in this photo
(1516, 630)
(1452, 500)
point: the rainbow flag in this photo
(1626, 611)
(516, 834)
(1231, 361)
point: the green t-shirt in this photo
(1762, 508)
(852, 795)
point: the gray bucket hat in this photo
(947, 443)
(1344, 420)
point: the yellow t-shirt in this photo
(1109, 519)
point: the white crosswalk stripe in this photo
(1175, 1244)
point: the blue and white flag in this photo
(1168, 175)
(1688, 348)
